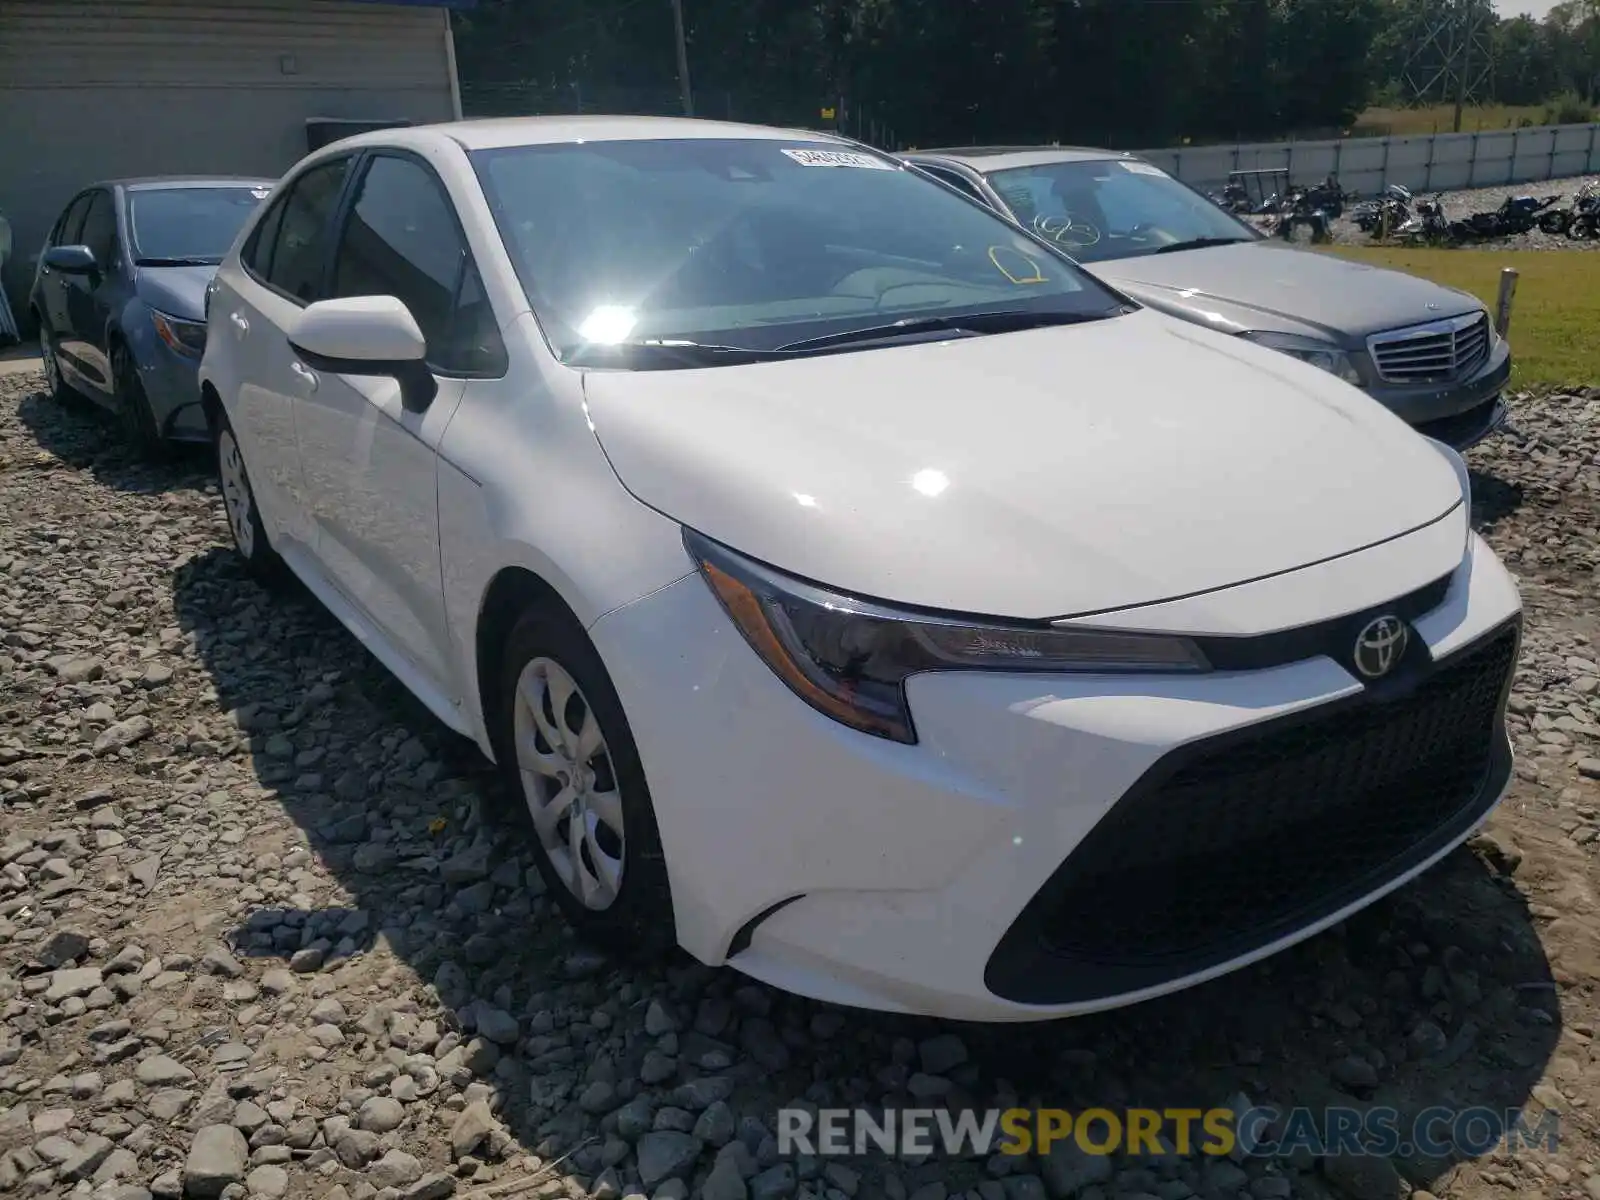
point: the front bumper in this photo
(171, 385)
(946, 878)
(1460, 414)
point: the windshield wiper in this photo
(1000, 321)
(1201, 243)
(191, 261)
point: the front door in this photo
(370, 466)
(89, 297)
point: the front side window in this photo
(290, 248)
(1113, 208)
(100, 230)
(755, 244)
(402, 239)
(187, 226)
(69, 229)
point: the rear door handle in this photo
(239, 323)
(306, 374)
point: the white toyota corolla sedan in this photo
(851, 589)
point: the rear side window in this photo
(100, 230)
(290, 248)
(402, 239)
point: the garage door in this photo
(97, 89)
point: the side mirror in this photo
(71, 260)
(367, 335)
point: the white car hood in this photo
(1055, 472)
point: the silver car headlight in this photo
(850, 659)
(1318, 353)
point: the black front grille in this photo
(1230, 844)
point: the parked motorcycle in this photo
(1516, 215)
(1385, 214)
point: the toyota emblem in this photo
(1380, 646)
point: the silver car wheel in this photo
(52, 369)
(568, 783)
(236, 496)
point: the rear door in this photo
(52, 285)
(283, 265)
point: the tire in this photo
(614, 891)
(133, 408)
(1555, 222)
(55, 386)
(239, 501)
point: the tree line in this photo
(1129, 73)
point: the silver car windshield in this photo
(1113, 208)
(756, 244)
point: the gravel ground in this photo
(1458, 205)
(255, 939)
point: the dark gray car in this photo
(119, 297)
(1427, 352)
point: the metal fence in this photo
(1426, 162)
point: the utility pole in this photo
(683, 59)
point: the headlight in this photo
(1319, 354)
(849, 660)
(187, 338)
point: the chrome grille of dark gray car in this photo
(1439, 352)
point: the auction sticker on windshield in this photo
(837, 158)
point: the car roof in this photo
(986, 159)
(153, 182)
(492, 133)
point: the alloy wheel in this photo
(236, 498)
(569, 783)
(52, 369)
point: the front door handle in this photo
(306, 374)
(239, 323)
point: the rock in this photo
(471, 1127)
(724, 1182)
(218, 961)
(774, 1183)
(498, 1026)
(77, 668)
(380, 1114)
(663, 1154)
(1356, 1074)
(436, 1186)
(85, 1158)
(395, 1169)
(1068, 1170)
(216, 1160)
(942, 1054)
(1363, 1176)
(160, 1071)
(72, 981)
(123, 733)
(64, 946)
(268, 1181)
(356, 1147)
(469, 866)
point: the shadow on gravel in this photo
(82, 434)
(1440, 995)
(1493, 499)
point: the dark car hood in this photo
(1233, 285)
(179, 291)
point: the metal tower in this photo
(1448, 53)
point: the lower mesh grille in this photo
(1257, 834)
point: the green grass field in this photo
(1555, 320)
(1403, 122)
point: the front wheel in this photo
(239, 501)
(133, 408)
(572, 771)
(54, 385)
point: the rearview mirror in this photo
(367, 335)
(70, 260)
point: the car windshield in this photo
(1113, 208)
(188, 224)
(756, 245)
